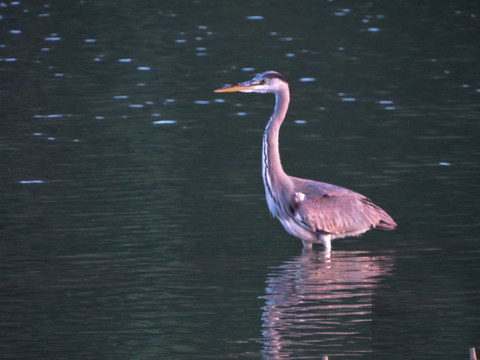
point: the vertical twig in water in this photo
(473, 355)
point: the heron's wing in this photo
(316, 188)
(342, 212)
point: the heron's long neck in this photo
(274, 177)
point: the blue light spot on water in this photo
(255, 17)
(307, 79)
(349, 99)
(124, 60)
(164, 122)
(15, 32)
(373, 29)
(53, 38)
(202, 102)
(31, 181)
(143, 68)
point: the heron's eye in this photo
(262, 82)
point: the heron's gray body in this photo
(331, 213)
(315, 212)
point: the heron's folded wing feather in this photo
(344, 212)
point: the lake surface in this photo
(134, 223)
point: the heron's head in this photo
(268, 81)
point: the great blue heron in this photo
(315, 212)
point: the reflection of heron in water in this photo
(316, 305)
(310, 210)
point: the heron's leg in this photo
(325, 239)
(307, 245)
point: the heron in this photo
(313, 211)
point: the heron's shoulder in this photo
(311, 188)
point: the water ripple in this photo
(321, 302)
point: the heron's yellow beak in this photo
(233, 88)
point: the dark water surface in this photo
(133, 222)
